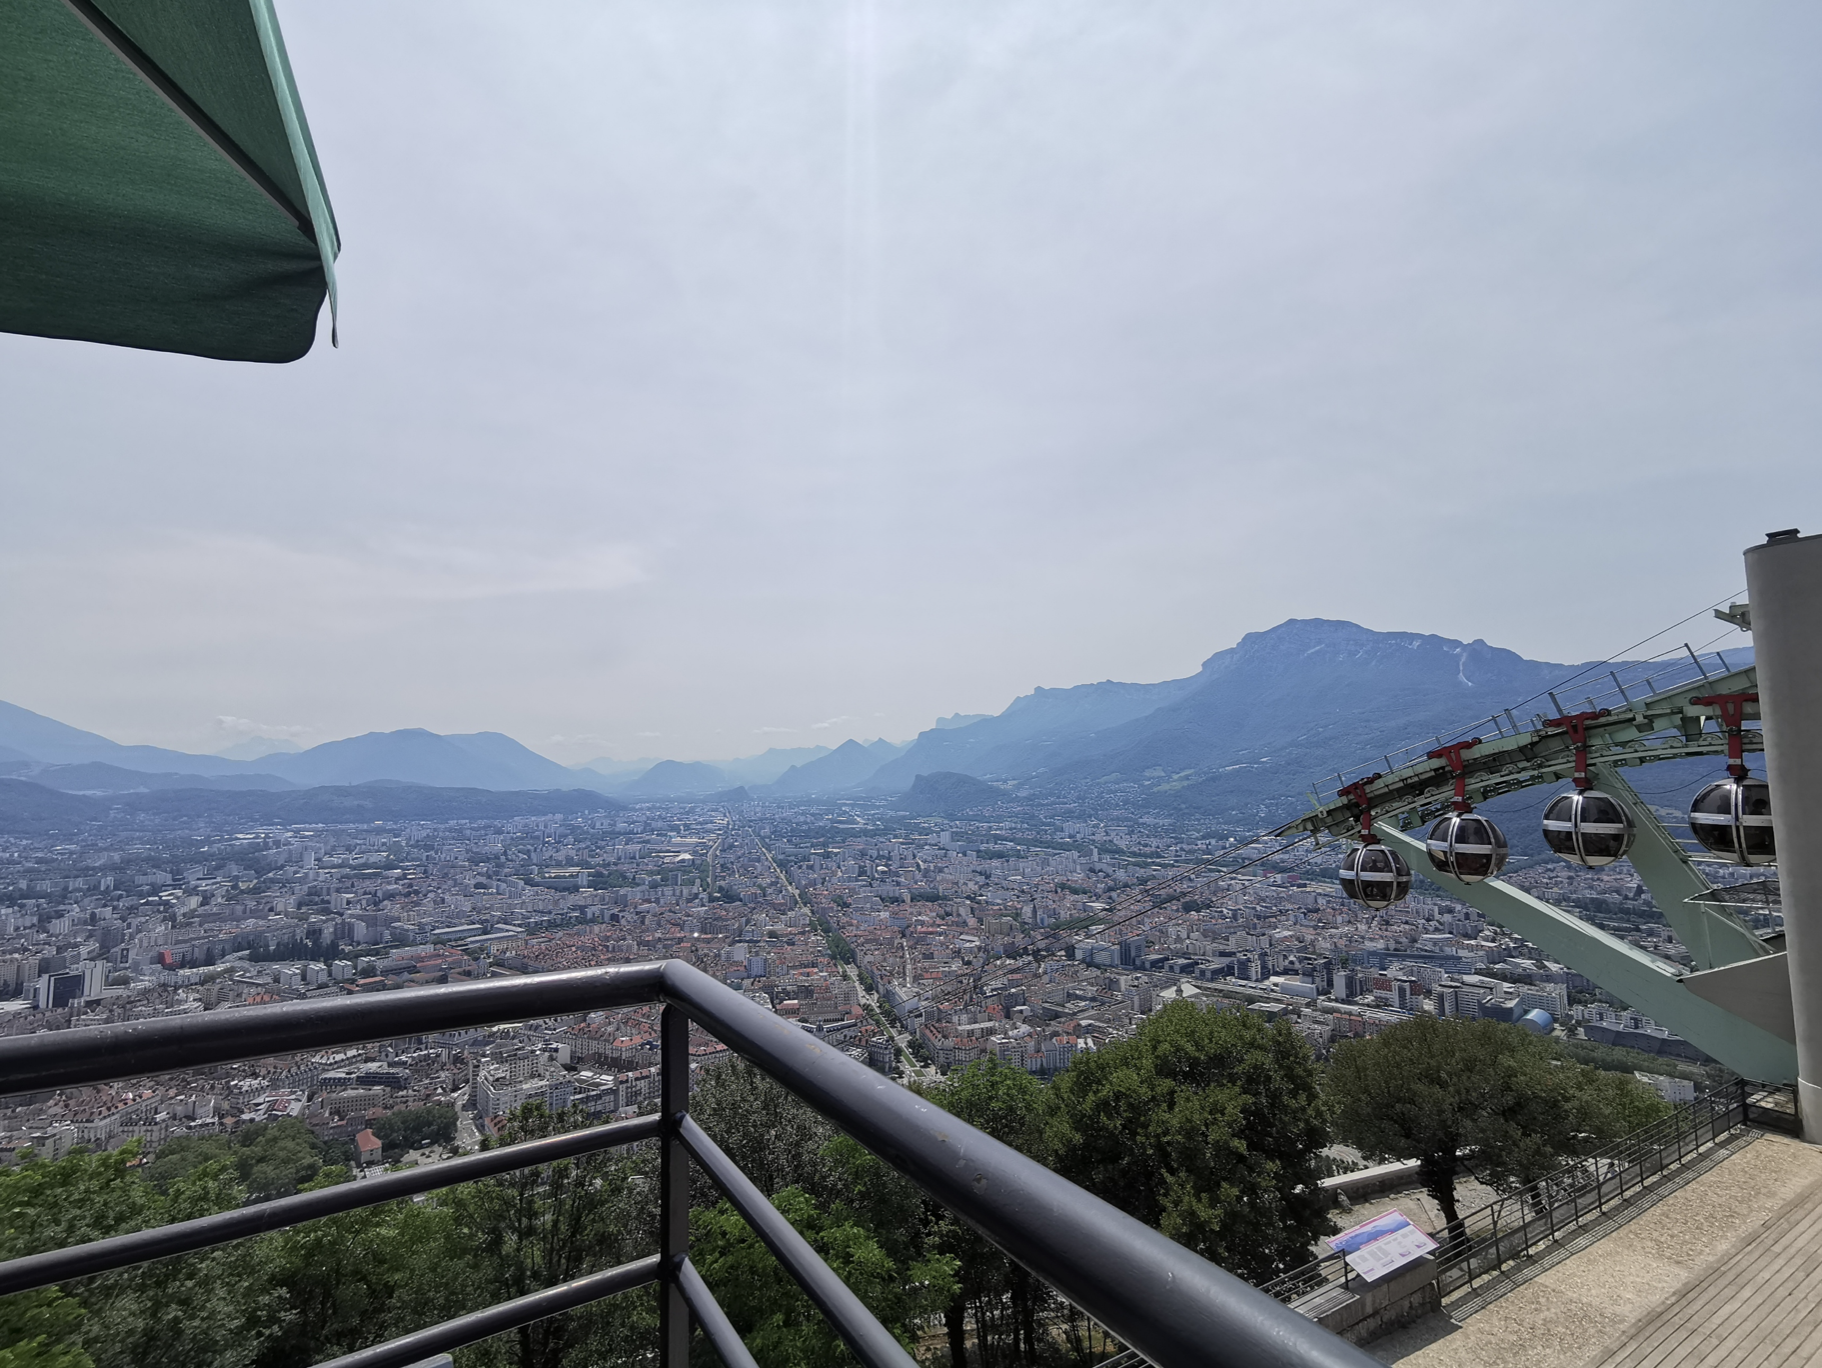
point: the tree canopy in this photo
(774, 1315)
(411, 1128)
(1477, 1096)
(1000, 1297)
(1206, 1124)
(270, 1158)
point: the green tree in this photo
(999, 1098)
(1619, 1059)
(271, 1158)
(185, 1154)
(838, 1195)
(1205, 1124)
(538, 1227)
(1477, 1096)
(275, 1158)
(210, 1309)
(774, 1315)
(361, 1277)
(1003, 1298)
(777, 1140)
(412, 1128)
(40, 1330)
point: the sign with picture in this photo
(1375, 1248)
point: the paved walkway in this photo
(1590, 1303)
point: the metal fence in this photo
(1169, 1305)
(1583, 1191)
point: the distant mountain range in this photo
(674, 778)
(803, 772)
(848, 764)
(51, 753)
(94, 777)
(1245, 734)
(29, 736)
(257, 748)
(28, 807)
(32, 745)
(754, 769)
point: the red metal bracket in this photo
(1733, 714)
(1576, 724)
(1357, 793)
(1452, 753)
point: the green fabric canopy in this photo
(158, 186)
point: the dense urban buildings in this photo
(915, 944)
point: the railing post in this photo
(673, 1188)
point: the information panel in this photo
(1377, 1247)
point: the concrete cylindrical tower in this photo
(1784, 587)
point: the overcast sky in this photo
(738, 373)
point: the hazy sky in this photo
(732, 373)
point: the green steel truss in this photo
(1660, 726)
(1651, 985)
(1663, 726)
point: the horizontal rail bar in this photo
(713, 1320)
(161, 1242)
(872, 1343)
(480, 1325)
(100, 1054)
(1171, 1305)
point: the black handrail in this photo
(508, 1315)
(185, 1237)
(715, 1323)
(101, 1054)
(1167, 1303)
(871, 1342)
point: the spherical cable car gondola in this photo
(1372, 874)
(1732, 817)
(1463, 844)
(1585, 826)
(1375, 875)
(1588, 827)
(1467, 846)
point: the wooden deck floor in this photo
(1601, 1303)
(1759, 1306)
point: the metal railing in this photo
(1579, 1194)
(1618, 686)
(1169, 1305)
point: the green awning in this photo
(158, 186)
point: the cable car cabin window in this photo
(1588, 827)
(1469, 847)
(1732, 818)
(1375, 876)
